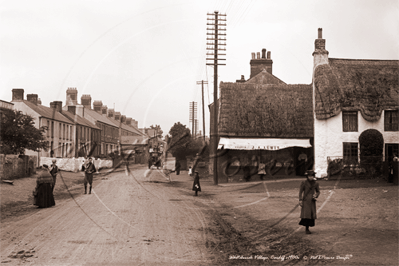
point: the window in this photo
(64, 132)
(350, 152)
(52, 129)
(391, 149)
(60, 131)
(48, 128)
(391, 118)
(349, 121)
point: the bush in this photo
(371, 147)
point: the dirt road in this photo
(128, 219)
(143, 219)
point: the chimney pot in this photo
(264, 53)
(258, 55)
(320, 33)
(253, 55)
(268, 55)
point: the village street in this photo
(128, 219)
(141, 218)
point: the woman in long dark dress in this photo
(43, 193)
(196, 184)
(308, 193)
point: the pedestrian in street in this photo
(261, 169)
(196, 184)
(190, 171)
(89, 170)
(390, 172)
(54, 171)
(43, 194)
(177, 167)
(309, 191)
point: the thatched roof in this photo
(258, 110)
(368, 86)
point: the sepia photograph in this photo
(186, 132)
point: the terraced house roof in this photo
(368, 86)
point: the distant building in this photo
(59, 133)
(351, 96)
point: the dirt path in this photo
(129, 219)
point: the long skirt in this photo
(44, 197)
(307, 222)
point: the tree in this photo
(157, 129)
(179, 141)
(18, 132)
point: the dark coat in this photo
(196, 182)
(306, 192)
(89, 170)
(43, 193)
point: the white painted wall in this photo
(329, 137)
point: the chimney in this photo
(17, 95)
(128, 121)
(32, 98)
(86, 101)
(264, 53)
(72, 109)
(135, 123)
(97, 106)
(104, 109)
(320, 54)
(71, 96)
(39, 101)
(57, 105)
(241, 80)
(123, 119)
(117, 116)
(258, 64)
(111, 113)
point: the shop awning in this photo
(261, 143)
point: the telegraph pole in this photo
(202, 82)
(214, 35)
(193, 117)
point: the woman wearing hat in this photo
(309, 191)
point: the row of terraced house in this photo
(76, 130)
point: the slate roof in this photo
(79, 120)
(368, 86)
(47, 112)
(259, 110)
(265, 77)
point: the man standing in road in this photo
(54, 171)
(89, 170)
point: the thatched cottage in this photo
(351, 96)
(264, 120)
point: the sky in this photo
(144, 57)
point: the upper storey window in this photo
(391, 118)
(349, 121)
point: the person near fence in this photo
(89, 169)
(54, 171)
(196, 184)
(309, 191)
(43, 194)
